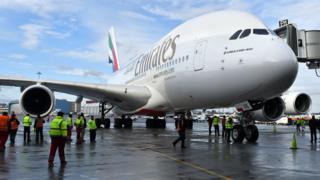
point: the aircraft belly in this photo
(219, 88)
(205, 89)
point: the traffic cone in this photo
(294, 142)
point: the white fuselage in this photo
(197, 66)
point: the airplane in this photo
(219, 59)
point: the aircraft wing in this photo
(127, 97)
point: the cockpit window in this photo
(235, 35)
(260, 31)
(245, 33)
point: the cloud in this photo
(135, 15)
(17, 56)
(303, 13)
(91, 55)
(183, 10)
(67, 70)
(34, 32)
(43, 9)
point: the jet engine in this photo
(271, 110)
(37, 99)
(297, 103)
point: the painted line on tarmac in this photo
(207, 171)
(210, 172)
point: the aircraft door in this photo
(199, 56)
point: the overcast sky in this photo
(66, 40)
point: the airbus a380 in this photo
(220, 59)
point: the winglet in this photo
(113, 52)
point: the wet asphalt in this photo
(141, 153)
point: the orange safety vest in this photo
(14, 124)
(39, 123)
(4, 123)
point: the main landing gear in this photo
(156, 123)
(104, 109)
(246, 129)
(125, 122)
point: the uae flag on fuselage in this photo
(113, 53)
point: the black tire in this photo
(128, 123)
(117, 123)
(148, 123)
(98, 122)
(161, 123)
(189, 123)
(238, 133)
(107, 123)
(252, 133)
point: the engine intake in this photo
(37, 99)
(272, 110)
(297, 103)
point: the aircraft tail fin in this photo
(113, 52)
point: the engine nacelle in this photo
(37, 99)
(297, 103)
(272, 110)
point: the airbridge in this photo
(304, 43)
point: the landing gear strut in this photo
(246, 129)
(104, 111)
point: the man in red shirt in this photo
(181, 131)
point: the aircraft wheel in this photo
(238, 133)
(252, 133)
(118, 123)
(98, 122)
(189, 124)
(107, 123)
(149, 123)
(161, 123)
(128, 123)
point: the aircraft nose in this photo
(283, 65)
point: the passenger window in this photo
(245, 33)
(235, 35)
(260, 31)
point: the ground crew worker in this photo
(79, 128)
(298, 126)
(209, 119)
(4, 130)
(229, 126)
(26, 132)
(302, 122)
(223, 124)
(313, 129)
(58, 134)
(69, 126)
(216, 125)
(84, 126)
(318, 125)
(92, 129)
(38, 125)
(14, 124)
(181, 131)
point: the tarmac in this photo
(141, 153)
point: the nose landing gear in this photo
(246, 129)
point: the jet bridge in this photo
(304, 43)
